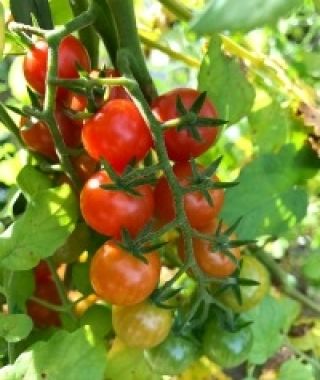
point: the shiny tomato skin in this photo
(71, 55)
(109, 211)
(122, 279)
(117, 133)
(251, 269)
(225, 348)
(173, 356)
(38, 137)
(143, 325)
(198, 211)
(41, 316)
(181, 146)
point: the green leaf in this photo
(128, 364)
(267, 197)
(270, 318)
(2, 30)
(21, 288)
(311, 268)
(293, 369)
(42, 13)
(235, 15)
(47, 222)
(15, 327)
(225, 83)
(31, 181)
(75, 356)
(61, 11)
(81, 277)
(270, 127)
(21, 10)
(10, 168)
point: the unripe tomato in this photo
(173, 356)
(212, 262)
(98, 317)
(143, 325)
(181, 145)
(109, 211)
(117, 133)
(251, 295)
(122, 279)
(38, 138)
(71, 55)
(198, 210)
(225, 348)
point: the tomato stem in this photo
(123, 12)
(287, 281)
(66, 303)
(48, 305)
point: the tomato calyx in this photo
(136, 246)
(190, 120)
(129, 179)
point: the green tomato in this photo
(98, 317)
(225, 348)
(251, 295)
(172, 356)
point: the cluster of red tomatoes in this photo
(118, 134)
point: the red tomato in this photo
(198, 210)
(71, 55)
(116, 92)
(41, 316)
(181, 146)
(143, 325)
(108, 211)
(85, 166)
(122, 279)
(212, 262)
(38, 137)
(42, 272)
(75, 102)
(117, 133)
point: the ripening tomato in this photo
(143, 325)
(173, 356)
(85, 166)
(122, 279)
(181, 145)
(212, 262)
(75, 102)
(71, 55)
(41, 316)
(251, 269)
(37, 136)
(198, 210)
(117, 133)
(42, 273)
(110, 211)
(225, 348)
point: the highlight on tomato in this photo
(117, 133)
(111, 211)
(143, 325)
(72, 55)
(120, 278)
(173, 356)
(226, 348)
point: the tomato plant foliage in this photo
(159, 176)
